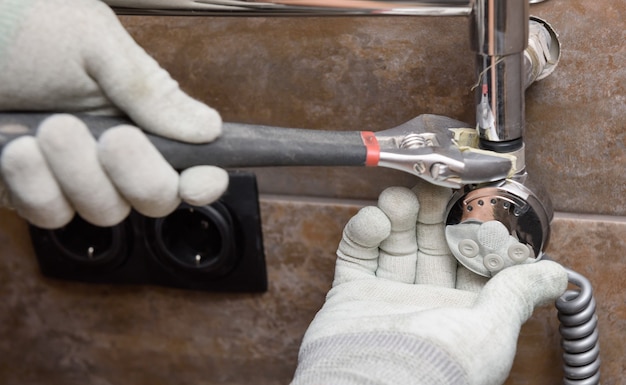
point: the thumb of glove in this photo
(75, 55)
(503, 305)
(513, 294)
(134, 81)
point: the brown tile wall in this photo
(345, 74)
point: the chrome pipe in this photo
(499, 36)
(500, 102)
(292, 7)
(499, 27)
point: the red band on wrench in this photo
(372, 147)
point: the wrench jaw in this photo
(426, 147)
(425, 163)
(447, 167)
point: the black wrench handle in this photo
(240, 145)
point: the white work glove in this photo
(74, 56)
(402, 312)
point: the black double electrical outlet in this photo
(218, 247)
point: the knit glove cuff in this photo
(377, 357)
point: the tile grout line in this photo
(590, 217)
(316, 200)
(365, 202)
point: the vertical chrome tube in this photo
(499, 36)
(500, 100)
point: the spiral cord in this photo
(579, 333)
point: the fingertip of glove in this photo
(56, 125)
(401, 206)
(213, 124)
(202, 185)
(537, 283)
(555, 273)
(202, 125)
(368, 227)
(50, 219)
(198, 123)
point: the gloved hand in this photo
(75, 56)
(401, 312)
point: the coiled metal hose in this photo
(579, 333)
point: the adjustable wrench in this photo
(424, 146)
